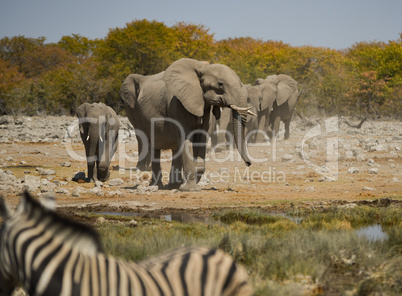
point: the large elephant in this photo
(99, 129)
(171, 110)
(274, 99)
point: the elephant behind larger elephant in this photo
(171, 110)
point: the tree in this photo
(14, 49)
(193, 41)
(79, 46)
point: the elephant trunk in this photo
(91, 148)
(104, 156)
(238, 129)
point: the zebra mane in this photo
(83, 235)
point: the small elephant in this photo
(171, 110)
(274, 99)
(99, 129)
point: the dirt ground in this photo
(313, 168)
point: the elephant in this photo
(171, 110)
(274, 99)
(99, 129)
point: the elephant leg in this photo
(175, 176)
(276, 124)
(262, 126)
(91, 171)
(190, 179)
(287, 126)
(156, 169)
(91, 152)
(144, 156)
(200, 141)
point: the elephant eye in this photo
(220, 85)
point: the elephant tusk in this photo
(251, 113)
(240, 109)
(101, 138)
(88, 138)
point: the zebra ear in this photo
(4, 210)
(48, 201)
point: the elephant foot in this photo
(143, 168)
(156, 183)
(189, 187)
(171, 186)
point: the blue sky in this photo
(328, 23)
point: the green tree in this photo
(192, 41)
(141, 47)
(79, 46)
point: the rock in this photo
(133, 223)
(61, 191)
(94, 190)
(152, 188)
(310, 189)
(7, 178)
(30, 183)
(46, 186)
(100, 220)
(353, 170)
(373, 171)
(116, 182)
(60, 183)
(100, 193)
(78, 176)
(66, 164)
(348, 206)
(378, 148)
(370, 162)
(98, 184)
(76, 192)
(366, 188)
(45, 172)
(287, 157)
(114, 193)
(360, 157)
(349, 154)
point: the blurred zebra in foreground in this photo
(51, 255)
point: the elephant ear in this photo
(268, 96)
(81, 113)
(130, 89)
(287, 86)
(259, 81)
(182, 81)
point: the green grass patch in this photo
(321, 255)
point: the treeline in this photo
(41, 78)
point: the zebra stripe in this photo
(51, 255)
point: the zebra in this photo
(48, 254)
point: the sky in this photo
(335, 24)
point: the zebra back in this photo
(52, 255)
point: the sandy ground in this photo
(313, 168)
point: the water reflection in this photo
(179, 217)
(372, 233)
